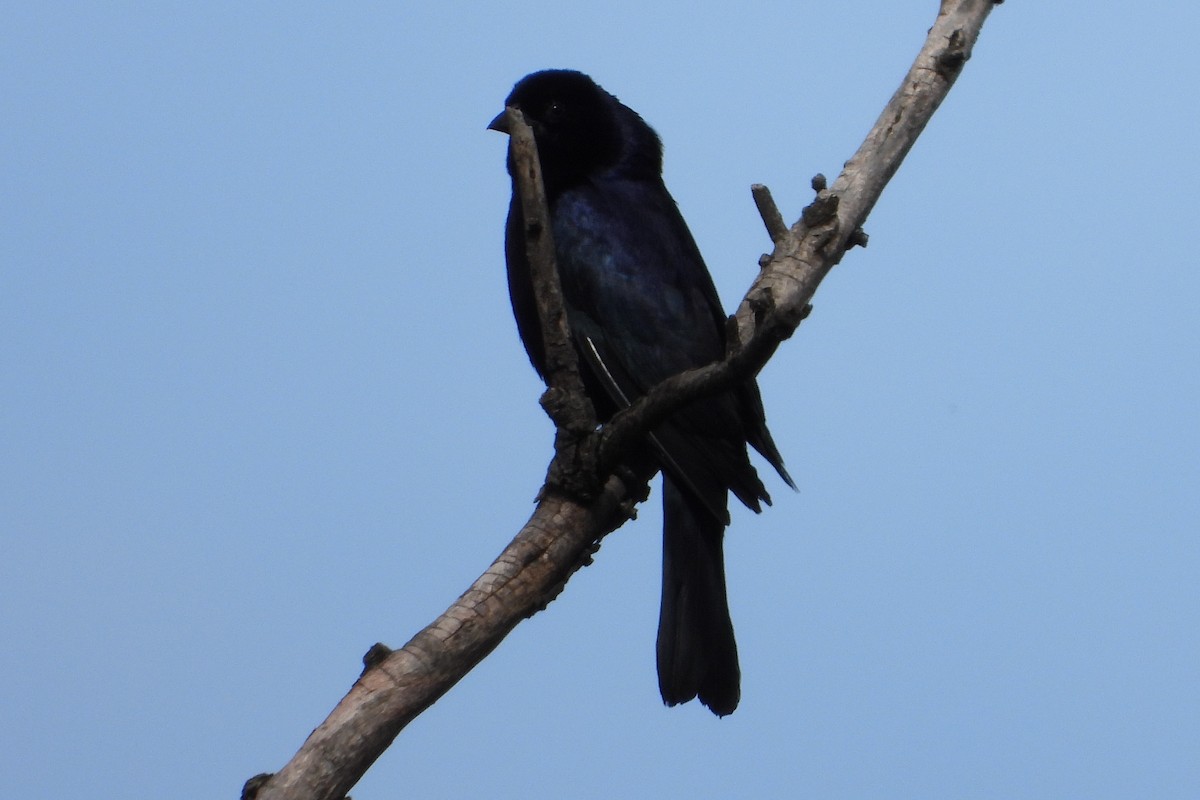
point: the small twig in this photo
(776, 227)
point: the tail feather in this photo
(697, 653)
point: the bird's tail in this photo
(697, 654)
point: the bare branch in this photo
(558, 539)
(780, 296)
(573, 469)
(565, 400)
(563, 531)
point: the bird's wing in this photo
(643, 307)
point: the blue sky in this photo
(263, 403)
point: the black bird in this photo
(641, 307)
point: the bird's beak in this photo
(500, 123)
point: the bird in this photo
(641, 306)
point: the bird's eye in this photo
(554, 111)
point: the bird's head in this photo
(575, 123)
